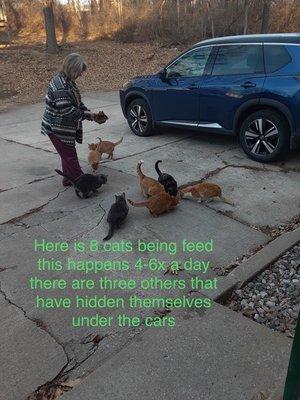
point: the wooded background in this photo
(168, 21)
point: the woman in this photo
(62, 120)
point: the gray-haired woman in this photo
(62, 120)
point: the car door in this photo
(237, 77)
(176, 98)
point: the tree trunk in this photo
(246, 11)
(161, 10)
(15, 21)
(265, 16)
(65, 25)
(178, 15)
(85, 23)
(212, 27)
(51, 42)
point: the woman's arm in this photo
(65, 106)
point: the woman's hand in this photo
(99, 117)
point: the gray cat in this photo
(117, 215)
(85, 184)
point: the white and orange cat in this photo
(94, 157)
(158, 204)
(204, 191)
(149, 186)
(104, 146)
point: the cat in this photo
(104, 146)
(94, 157)
(117, 215)
(85, 183)
(157, 204)
(167, 181)
(149, 186)
(100, 117)
(204, 191)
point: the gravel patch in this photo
(273, 297)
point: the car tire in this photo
(139, 118)
(264, 136)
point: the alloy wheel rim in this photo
(262, 137)
(138, 118)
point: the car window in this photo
(276, 57)
(190, 64)
(239, 60)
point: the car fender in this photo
(138, 93)
(275, 104)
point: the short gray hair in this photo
(73, 66)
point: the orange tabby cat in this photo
(157, 204)
(94, 156)
(204, 191)
(149, 186)
(104, 146)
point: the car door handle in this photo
(248, 84)
(193, 86)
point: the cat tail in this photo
(138, 204)
(110, 232)
(119, 141)
(66, 176)
(157, 169)
(222, 198)
(139, 170)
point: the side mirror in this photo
(163, 75)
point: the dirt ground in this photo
(26, 70)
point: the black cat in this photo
(86, 183)
(167, 181)
(117, 215)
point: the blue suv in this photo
(243, 85)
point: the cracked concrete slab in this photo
(27, 199)
(201, 358)
(27, 363)
(45, 209)
(21, 165)
(88, 222)
(186, 158)
(260, 197)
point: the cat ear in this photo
(116, 196)
(123, 194)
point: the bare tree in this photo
(265, 16)
(246, 14)
(161, 10)
(178, 14)
(51, 42)
(13, 15)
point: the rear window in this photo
(276, 58)
(239, 60)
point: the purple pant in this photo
(69, 159)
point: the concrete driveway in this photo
(35, 205)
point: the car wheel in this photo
(139, 118)
(264, 136)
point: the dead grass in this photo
(26, 70)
